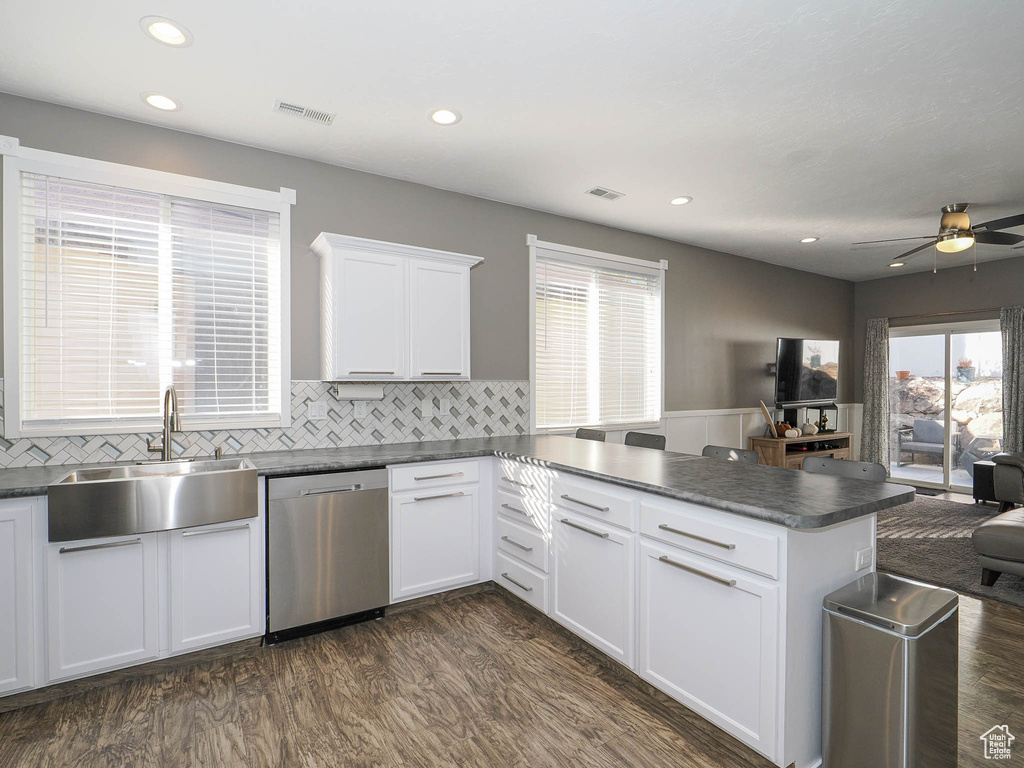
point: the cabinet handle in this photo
(521, 586)
(725, 582)
(108, 545)
(517, 544)
(371, 373)
(516, 482)
(721, 544)
(216, 530)
(519, 511)
(441, 373)
(439, 496)
(585, 504)
(591, 531)
(438, 477)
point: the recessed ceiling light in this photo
(445, 116)
(896, 264)
(159, 101)
(166, 31)
(680, 200)
(809, 239)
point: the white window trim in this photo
(586, 256)
(17, 159)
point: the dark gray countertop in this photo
(782, 496)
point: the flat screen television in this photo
(806, 372)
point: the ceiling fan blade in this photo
(914, 251)
(1007, 223)
(998, 238)
(894, 240)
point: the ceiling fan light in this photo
(954, 242)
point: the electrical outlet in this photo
(446, 406)
(316, 411)
(865, 557)
(427, 408)
(359, 408)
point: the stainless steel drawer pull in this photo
(371, 373)
(694, 571)
(585, 504)
(517, 544)
(721, 544)
(591, 531)
(438, 496)
(517, 511)
(516, 482)
(321, 491)
(216, 530)
(521, 586)
(441, 373)
(438, 477)
(108, 545)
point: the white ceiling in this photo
(845, 119)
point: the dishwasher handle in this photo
(340, 489)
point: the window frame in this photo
(17, 159)
(587, 257)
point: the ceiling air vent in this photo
(297, 110)
(605, 194)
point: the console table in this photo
(790, 452)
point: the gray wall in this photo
(723, 312)
(957, 289)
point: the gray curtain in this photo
(874, 438)
(1011, 322)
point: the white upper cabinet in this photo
(392, 312)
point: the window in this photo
(120, 282)
(597, 330)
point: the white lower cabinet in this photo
(102, 604)
(593, 583)
(214, 592)
(435, 541)
(708, 638)
(17, 628)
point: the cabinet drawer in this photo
(526, 544)
(410, 477)
(524, 510)
(527, 480)
(595, 500)
(522, 582)
(700, 530)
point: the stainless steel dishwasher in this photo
(327, 551)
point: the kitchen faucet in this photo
(172, 423)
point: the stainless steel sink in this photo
(159, 496)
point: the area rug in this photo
(930, 540)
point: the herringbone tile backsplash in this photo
(478, 409)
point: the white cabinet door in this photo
(592, 593)
(439, 320)
(365, 315)
(708, 638)
(102, 600)
(17, 626)
(215, 592)
(435, 541)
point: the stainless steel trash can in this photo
(889, 675)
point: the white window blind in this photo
(597, 342)
(124, 292)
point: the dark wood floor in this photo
(478, 681)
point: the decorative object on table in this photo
(809, 429)
(791, 433)
(902, 375)
(827, 416)
(965, 370)
(768, 418)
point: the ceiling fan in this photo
(957, 234)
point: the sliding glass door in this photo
(945, 399)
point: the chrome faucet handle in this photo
(218, 452)
(153, 447)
